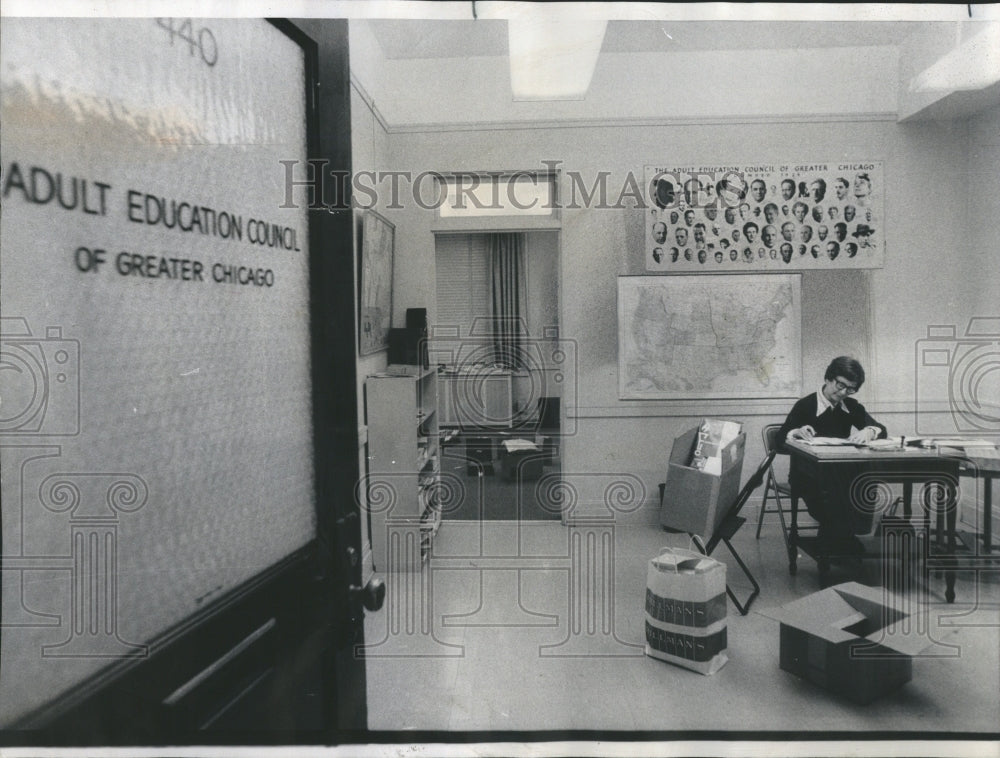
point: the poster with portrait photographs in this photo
(764, 217)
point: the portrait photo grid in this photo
(764, 217)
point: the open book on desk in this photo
(826, 441)
(896, 442)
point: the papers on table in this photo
(949, 442)
(976, 446)
(889, 443)
(831, 441)
(519, 445)
(826, 441)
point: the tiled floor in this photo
(537, 626)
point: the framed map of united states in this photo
(688, 337)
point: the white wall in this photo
(925, 228)
(983, 222)
(939, 269)
(983, 191)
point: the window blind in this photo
(463, 283)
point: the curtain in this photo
(507, 282)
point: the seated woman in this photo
(832, 412)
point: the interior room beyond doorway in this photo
(495, 336)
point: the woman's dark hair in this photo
(846, 367)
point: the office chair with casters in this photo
(774, 488)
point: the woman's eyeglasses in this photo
(844, 387)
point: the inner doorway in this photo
(495, 337)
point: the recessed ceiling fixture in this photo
(553, 59)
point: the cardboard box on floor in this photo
(849, 639)
(695, 501)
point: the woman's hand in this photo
(863, 436)
(802, 433)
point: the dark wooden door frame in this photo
(334, 355)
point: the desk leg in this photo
(939, 527)
(988, 515)
(793, 537)
(907, 499)
(951, 516)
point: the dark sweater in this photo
(832, 423)
(829, 502)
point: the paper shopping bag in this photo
(686, 610)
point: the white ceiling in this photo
(411, 39)
(665, 67)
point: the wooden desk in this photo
(983, 464)
(868, 470)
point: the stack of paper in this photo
(955, 442)
(713, 436)
(825, 441)
(519, 445)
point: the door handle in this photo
(372, 594)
